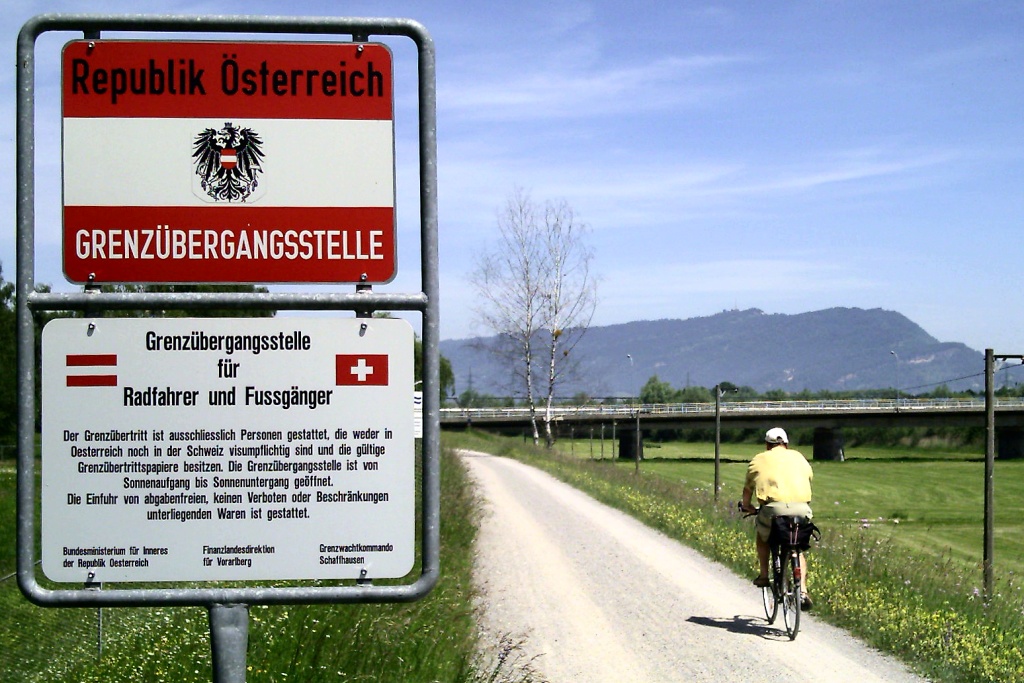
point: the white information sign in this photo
(227, 449)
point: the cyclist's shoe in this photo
(762, 582)
(806, 603)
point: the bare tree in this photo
(569, 296)
(538, 297)
(507, 281)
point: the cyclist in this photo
(780, 480)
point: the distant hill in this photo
(835, 349)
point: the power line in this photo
(945, 381)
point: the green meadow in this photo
(928, 500)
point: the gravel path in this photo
(599, 597)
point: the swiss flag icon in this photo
(361, 370)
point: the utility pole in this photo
(897, 357)
(990, 460)
(719, 393)
(718, 438)
(636, 444)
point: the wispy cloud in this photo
(845, 166)
(654, 191)
(553, 90)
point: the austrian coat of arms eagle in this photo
(228, 162)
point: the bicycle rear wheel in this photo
(768, 593)
(771, 605)
(791, 592)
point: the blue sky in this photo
(786, 156)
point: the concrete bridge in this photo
(826, 417)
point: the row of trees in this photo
(8, 361)
(655, 391)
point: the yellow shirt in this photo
(780, 475)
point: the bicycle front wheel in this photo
(791, 591)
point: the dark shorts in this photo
(768, 511)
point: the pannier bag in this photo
(794, 531)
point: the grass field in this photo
(928, 500)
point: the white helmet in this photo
(776, 435)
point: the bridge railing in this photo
(624, 410)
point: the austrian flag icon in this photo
(361, 370)
(228, 158)
(96, 368)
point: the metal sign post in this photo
(235, 198)
(229, 641)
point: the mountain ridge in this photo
(831, 349)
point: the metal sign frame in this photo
(362, 301)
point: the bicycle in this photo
(786, 584)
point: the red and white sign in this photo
(181, 449)
(228, 162)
